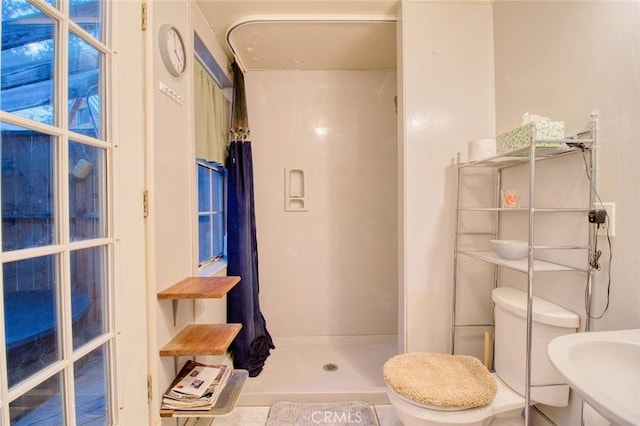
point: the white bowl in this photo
(510, 249)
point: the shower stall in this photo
(324, 133)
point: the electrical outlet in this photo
(609, 227)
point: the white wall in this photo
(170, 180)
(447, 99)
(169, 168)
(330, 270)
(566, 60)
(589, 64)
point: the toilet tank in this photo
(549, 321)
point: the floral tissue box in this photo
(545, 133)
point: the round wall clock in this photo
(172, 50)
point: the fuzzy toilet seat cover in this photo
(441, 381)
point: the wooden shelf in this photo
(197, 288)
(200, 288)
(202, 339)
(226, 401)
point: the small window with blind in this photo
(211, 107)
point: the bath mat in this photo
(441, 381)
(341, 413)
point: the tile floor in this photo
(257, 416)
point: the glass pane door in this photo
(57, 244)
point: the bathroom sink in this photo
(603, 368)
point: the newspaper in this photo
(196, 387)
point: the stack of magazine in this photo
(196, 387)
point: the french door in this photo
(56, 337)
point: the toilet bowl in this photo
(414, 414)
(549, 321)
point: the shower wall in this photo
(332, 269)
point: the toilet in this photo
(548, 322)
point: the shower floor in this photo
(297, 370)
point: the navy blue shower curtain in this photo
(253, 344)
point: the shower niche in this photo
(296, 190)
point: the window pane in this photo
(204, 238)
(30, 315)
(87, 14)
(40, 406)
(27, 62)
(88, 294)
(218, 191)
(28, 218)
(91, 380)
(218, 234)
(204, 189)
(87, 194)
(85, 88)
(211, 220)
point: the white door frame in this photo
(129, 182)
